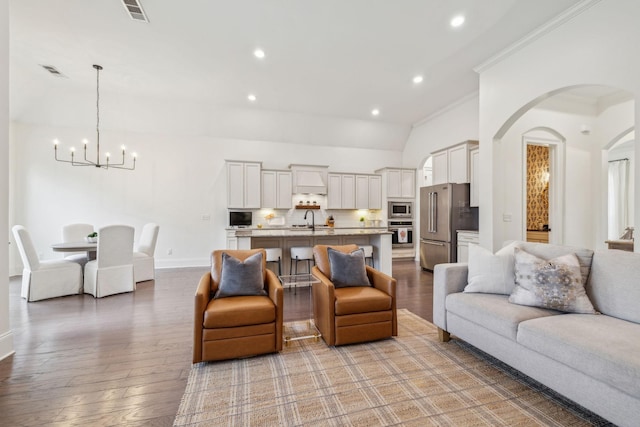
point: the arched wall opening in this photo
(577, 123)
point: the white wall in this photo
(591, 48)
(178, 179)
(580, 202)
(457, 124)
(6, 336)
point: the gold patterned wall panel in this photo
(537, 186)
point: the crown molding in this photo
(446, 109)
(551, 25)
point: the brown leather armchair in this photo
(353, 314)
(239, 326)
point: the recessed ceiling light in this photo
(457, 21)
(251, 97)
(258, 53)
(418, 79)
(375, 112)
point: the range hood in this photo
(309, 179)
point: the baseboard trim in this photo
(6, 345)
(181, 263)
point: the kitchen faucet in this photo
(313, 219)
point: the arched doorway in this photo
(583, 116)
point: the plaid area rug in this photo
(411, 380)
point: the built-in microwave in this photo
(400, 210)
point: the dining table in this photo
(89, 247)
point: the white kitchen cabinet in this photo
(458, 164)
(375, 192)
(341, 191)
(452, 163)
(464, 239)
(276, 189)
(244, 185)
(362, 192)
(368, 192)
(439, 167)
(232, 240)
(474, 165)
(334, 191)
(348, 192)
(408, 183)
(401, 183)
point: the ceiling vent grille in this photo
(135, 10)
(53, 70)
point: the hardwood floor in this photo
(125, 359)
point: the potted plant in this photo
(92, 238)
(361, 221)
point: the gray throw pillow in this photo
(347, 269)
(555, 283)
(241, 278)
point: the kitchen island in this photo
(286, 238)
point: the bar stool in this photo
(301, 253)
(275, 255)
(368, 254)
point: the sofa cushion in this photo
(348, 269)
(493, 312)
(603, 347)
(555, 283)
(241, 277)
(489, 273)
(239, 311)
(360, 299)
(613, 285)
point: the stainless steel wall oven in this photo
(402, 236)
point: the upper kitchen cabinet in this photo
(368, 192)
(474, 168)
(452, 163)
(276, 189)
(243, 185)
(401, 183)
(341, 191)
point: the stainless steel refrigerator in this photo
(444, 209)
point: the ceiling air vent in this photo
(53, 70)
(135, 10)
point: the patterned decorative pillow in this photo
(556, 284)
(348, 269)
(240, 278)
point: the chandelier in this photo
(86, 162)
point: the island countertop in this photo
(301, 231)
(287, 237)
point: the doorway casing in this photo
(552, 139)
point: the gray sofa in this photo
(592, 359)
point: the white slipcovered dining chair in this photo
(45, 279)
(112, 270)
(76, 233)
(143, 259)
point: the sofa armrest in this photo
(275, 293)
(324, 308)
(202, 297)
(447, 279)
